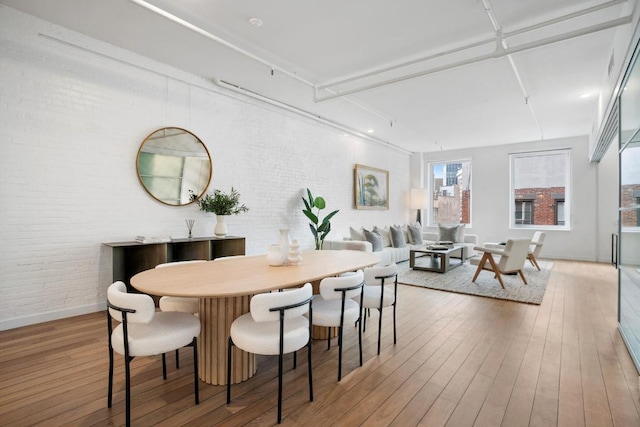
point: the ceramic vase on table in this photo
(294, 257)
(221, 226)
(274, 255)
(285, 241)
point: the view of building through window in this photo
(629, 186)
(450, 187)
(540, 187)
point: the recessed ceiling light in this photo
(370, 131)
(255, 22)
(586, 95)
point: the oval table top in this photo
(248, 275)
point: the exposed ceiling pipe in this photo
(497, 54)
(503, 45)
(326, 86)
(304, 113)
(269, 65)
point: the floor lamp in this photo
(419, 201)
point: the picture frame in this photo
(371, 187)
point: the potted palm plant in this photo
(222, 205)
(319, 229)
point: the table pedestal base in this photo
(216, 316)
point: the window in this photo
(540, 189)
(450, 189)
(524, 212)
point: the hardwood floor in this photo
(459, 361)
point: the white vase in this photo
(294, 253)
(284, 244)
(221, 226)
(274, 255)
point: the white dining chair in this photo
(334, 307)
(377, 295)
(145, 332)
(181, 304)
(275, 325)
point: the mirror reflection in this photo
(171, 161)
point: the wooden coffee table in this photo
(436, 260)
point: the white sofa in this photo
(389, 254)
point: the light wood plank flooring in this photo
(459, 361)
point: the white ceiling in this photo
(528, 95)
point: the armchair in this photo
(512, 259)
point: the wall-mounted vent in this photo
(609, 132)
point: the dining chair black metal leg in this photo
(196, 380)
(229, 345)
(164, 366)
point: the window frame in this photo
(513, 157)
(430, 220)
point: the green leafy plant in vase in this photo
(222, 205)
(319, 229)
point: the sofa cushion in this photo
(356, 234)
(373, 238)
(385, 234)
(451, 233)
(397, 237)
(415, 233)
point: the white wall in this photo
(490, 196)
(608, 194)
(71, 121)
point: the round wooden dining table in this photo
(224, 288)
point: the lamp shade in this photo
(419, 198)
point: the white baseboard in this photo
(51, 315)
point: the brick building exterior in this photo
(544, 203)
(629, 196)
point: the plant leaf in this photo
(320, 203)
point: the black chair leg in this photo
(379, 329)
(340, 353)
(394, 323)
(280, 360)
(164, 366)
(310, 370)
(295, 359)
(127, 381)
(177, 359)
(360, 343)
(196, 379)
(229, 370)
(110, 378)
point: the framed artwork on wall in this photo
(371, 187)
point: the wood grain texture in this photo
(459, 361)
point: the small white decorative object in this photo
(274, 255)
(284, 244)
(294, 253)
(221, 226)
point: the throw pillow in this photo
(460, 234)
(397, 237)
(385, 234)
(356, 234)
(451, 233)
(415, 233)
(373, 238)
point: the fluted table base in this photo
(216, 316)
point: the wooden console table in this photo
(130, 258)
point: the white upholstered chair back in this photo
(329, 285)
(142, 304)
(517, 250)
(262, 303)
(538, 237)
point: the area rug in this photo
(459, 280)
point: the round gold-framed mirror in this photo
(171, 162)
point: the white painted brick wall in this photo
(71, 122)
